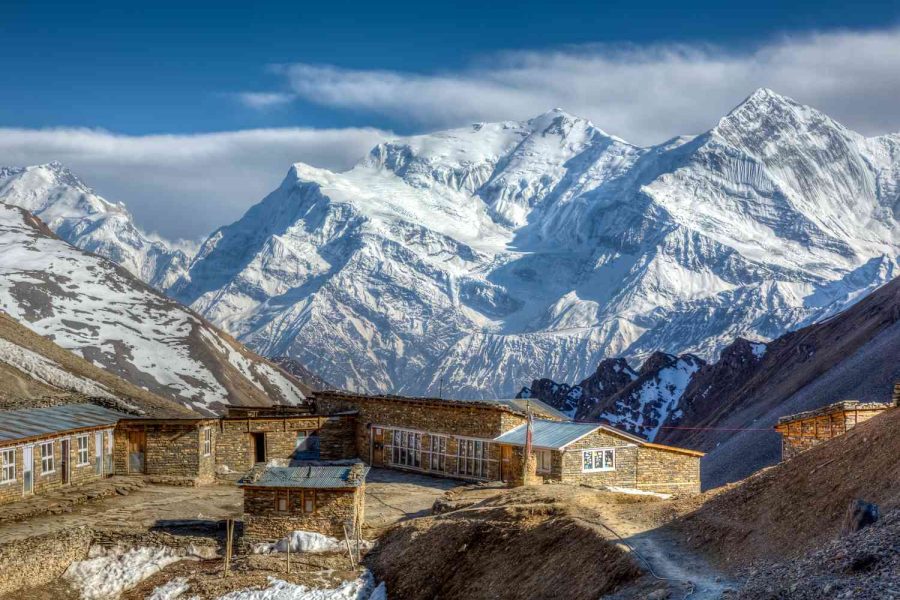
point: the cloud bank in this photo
(184, 186)
(643, 94)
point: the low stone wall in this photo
(39, 560)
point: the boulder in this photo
(860, 514)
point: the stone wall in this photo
(12, 491)
(624, 474)
(333, 508)
(174, 449)
(814, 427)
(38, 560)
(667, 472)
(235, 454)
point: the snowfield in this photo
(488, 256)
(86, 304)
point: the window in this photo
(598, 459)
(472, 458)
(82, 443)
(309, 501)
(282, 501)
(207, 441)
(8, 465)
(47, 458)
(406, 448)
(544, 464)
(436, 457)
(303, 500)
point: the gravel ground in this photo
(865, 565)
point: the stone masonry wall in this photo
(624, 474)
(337, 438)
(667, 472)
(173, 451)
(333, 508)
(38, 560)
(12, 491)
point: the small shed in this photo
(321, 498)
(597, 454)
(802, 431)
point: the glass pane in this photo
(587, 460)
(609, 460)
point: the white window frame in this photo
(473, 457)
(207, 441)
(544, 460)
(435, 456)
(7, 465)
(51, 459)
(85, 450)
(593, 454)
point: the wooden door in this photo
(27, 470)
(137, 449)
(377, 447)
(506, 453)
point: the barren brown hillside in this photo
(796, 506)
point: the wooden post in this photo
(349, 550)
(289, 554)
(229, 528)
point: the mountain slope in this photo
(78, 215)
(88, 305)
(479, 258)
(36, 372)
(850, 356)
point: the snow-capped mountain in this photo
(86, 304)
(486, 256)
(78, 215)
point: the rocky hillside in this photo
(88, 305)
(486, 256)
(36, 372)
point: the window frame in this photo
(207, 441)
(593, 452)
(79, 450)
(6, 465)
(51, 458)
(473, 457)
(544, 460)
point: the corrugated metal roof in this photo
(548, 434)
(35, 422)
(308, 476)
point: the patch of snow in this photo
(634, 492)
(759, 349)
(363, 588)
(301, 541)
(48, 371)
(110, 571)
(173, 590)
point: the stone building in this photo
(248, 436)
(598, 455)
(802, 431)
(451, 438)
(177, 449)
(320, 498)
(46, 448)
(484, 440)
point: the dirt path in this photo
(639, 525)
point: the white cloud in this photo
(264, 100)
(643, 94)
(184, 186)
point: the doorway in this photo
(64, 461)
(137, 448)
(377, 447)
(27, 470)
(506, 453)
(259, 446)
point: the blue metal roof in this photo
(308, 476)
(548, 434)
(36, 422)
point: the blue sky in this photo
(116, 89)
